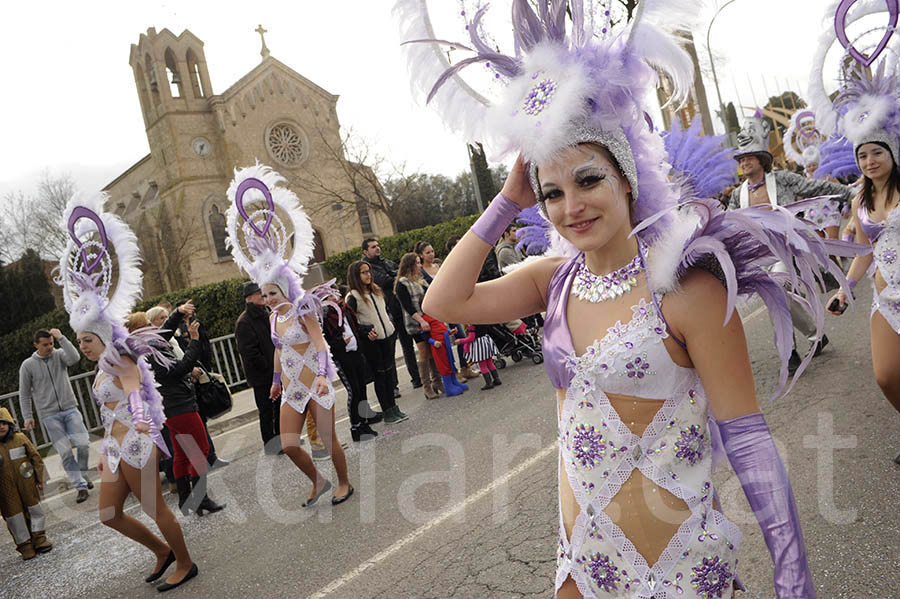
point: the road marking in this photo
(400, 544)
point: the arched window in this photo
(151, 77)
(319, 250)
(217, 228)
(142, 88)
(194, 74)
(175, 83)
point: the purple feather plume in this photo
(744, 244)
(837, 159)
(534, 236)
(700, 160)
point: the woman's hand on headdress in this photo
(518, 186)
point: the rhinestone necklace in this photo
(597, 288)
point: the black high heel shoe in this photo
(170, 559)
(362, 432)
(169, 586)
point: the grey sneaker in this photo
(320, 454)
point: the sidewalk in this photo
(243, 411)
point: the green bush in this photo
(394, 246)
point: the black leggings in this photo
(351, 370)
(378, 355)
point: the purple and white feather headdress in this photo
(571, 77)
(867, 107)
(271, 249)
(802, 139)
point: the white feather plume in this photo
(664, 255)
(866, 117)
(462, 109)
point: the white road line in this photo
(400, 544)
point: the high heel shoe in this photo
(170, 559)
(166, 586)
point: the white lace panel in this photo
(299, 370)
(599, 453)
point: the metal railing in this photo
(225, 358)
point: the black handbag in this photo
(213, 395)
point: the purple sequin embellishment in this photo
(588, 446)
(691, 444)
(637, 368)
(711, 577)
(604, 574)
(539, 96)
(889, 255)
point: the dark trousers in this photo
(409, 355)
(269, 416)
(351, 370)
(379, 355)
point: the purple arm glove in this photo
(136, 405)
(751, 450)
(322, 357)
(276, 378)
(493, 221)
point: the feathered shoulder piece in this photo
(739, 247)
(701, 164)
(269, 233)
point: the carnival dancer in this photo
(639, 371)
(130, 405)
(479, 347)
(764, 187)
(876, 144)
(261, 246)
(438, 337)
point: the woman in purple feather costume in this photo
(641, 340)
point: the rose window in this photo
(285, 144)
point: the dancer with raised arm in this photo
(646, 379)
(261, 245)
(98, 294)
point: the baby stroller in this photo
(511, 345)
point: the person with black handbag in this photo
(189, 444)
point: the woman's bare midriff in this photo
(648, 514)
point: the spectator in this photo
(254, 344)
(157, 316)
(175, 382)
(507, 254)
(368, 300)
(342, 335)
(384, 273)
(410, 289)
(425, 252)
(21, 482)
(44, 380)
(204, 360)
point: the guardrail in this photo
(225, 360)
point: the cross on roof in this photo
(262, 34)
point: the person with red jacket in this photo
(442, 352)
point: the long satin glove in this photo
(136, 405)
(751, 450)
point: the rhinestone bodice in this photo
(299, 366)
(886, 248)
(599, 453)
(134, 447)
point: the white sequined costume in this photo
(885, 239)
(299, 366)
(133, 447)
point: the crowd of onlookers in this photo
(380, 305)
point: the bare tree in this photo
(358, 185)
(167, 246)
(35, 222)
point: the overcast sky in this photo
(69, 102)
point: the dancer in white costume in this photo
(639, 371)
(867, 113)
(261, 246)
(130, 405)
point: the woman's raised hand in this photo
(518, 186)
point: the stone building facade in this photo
(174, 198)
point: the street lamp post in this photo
(712, 64)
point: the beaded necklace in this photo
(597, 288)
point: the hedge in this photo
(218, 304)
(394, 246)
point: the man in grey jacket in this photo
(507, 254)
(44, 381)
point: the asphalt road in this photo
(460, 500)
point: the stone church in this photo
(174, 198)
